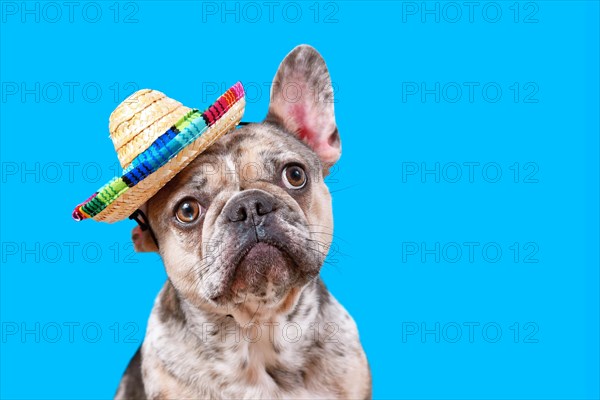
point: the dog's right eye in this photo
(188, 211)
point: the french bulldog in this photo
(243, 232)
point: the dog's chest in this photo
(256, 356)
(263, 360)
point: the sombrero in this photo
(155, 137)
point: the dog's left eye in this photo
(188, 211)
(294, 177)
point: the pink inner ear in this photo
(303, 130)
(307, 130)
(311, 119)
(298, 114)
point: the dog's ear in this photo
(142, 240)
(302, 102)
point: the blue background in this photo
(371, 48)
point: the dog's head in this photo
(250, 220)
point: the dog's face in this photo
(249, 221)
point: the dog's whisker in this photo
(343, 189)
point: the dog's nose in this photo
(250, 202)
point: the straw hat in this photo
(155, 137)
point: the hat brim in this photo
(130, 198)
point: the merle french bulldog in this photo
(243, 232)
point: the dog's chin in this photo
(265, 273)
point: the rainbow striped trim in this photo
(189, 128)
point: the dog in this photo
(243, 232)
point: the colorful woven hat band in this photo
(184, 132)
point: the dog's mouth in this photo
(263, 263)
(263, 270)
